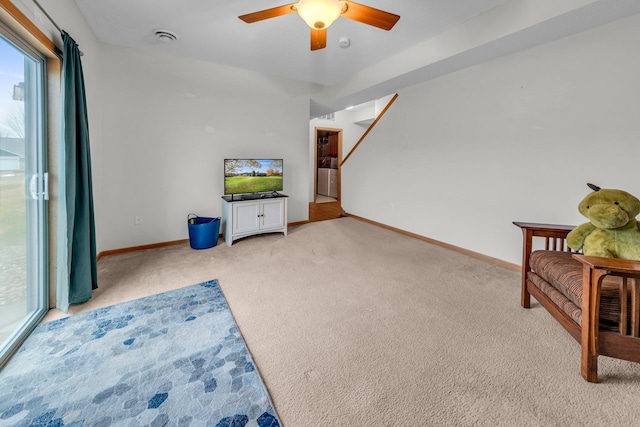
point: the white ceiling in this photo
(210, 30)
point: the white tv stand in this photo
(248, 215)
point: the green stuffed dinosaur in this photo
(613, 231)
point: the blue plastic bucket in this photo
(203, 231)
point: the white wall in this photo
(460, 157)
(456, 159)
(161, 126)
(167, 125)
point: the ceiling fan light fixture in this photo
(319, 14)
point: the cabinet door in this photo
(333, 145)
(273, 213)
(246, 217)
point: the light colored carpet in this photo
(350, 324)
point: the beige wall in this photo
(456, 158)
(168, 123)
(460, 157)
(161, 126)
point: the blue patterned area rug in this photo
(173, 359)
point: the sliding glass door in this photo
(23, 192)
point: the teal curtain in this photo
(77, 272)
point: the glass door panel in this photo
(23, 287)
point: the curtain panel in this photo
(77, 273)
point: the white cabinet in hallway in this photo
(328, 182)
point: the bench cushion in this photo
(564, 274)
(565, 304)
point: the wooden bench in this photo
(605, 282)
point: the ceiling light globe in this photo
(319, 14)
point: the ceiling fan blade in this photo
(268, 13)
(318, 39)
(369, 15)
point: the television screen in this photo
(252, 175)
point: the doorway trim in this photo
(318, 130)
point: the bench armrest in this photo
(554, 236)
(594, 269)
(613, 266)
(545, 230)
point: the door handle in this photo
(45, 191)
(33, 186)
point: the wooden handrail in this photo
(364, 135)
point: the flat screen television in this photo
(252, 176)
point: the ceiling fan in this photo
(319, 14)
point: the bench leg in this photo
(589, 368)
(525, 300)
(591, 282)
(527, 247)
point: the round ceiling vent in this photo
(344, 42)
(165, 36)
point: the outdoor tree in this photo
(276, 167)
(14, 119)
(231, 167)
(252, 164)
